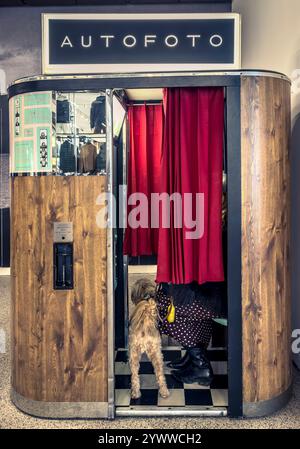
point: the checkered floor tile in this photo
(181, 394)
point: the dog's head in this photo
(142, 290)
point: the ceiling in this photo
(144, 94)
(100, 2)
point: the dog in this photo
(144, 336)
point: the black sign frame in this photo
(133, 43)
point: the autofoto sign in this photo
(98, 43)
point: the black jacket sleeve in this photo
(93, 115)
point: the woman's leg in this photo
(192, 328)
(182, 362)
(199, 369)
(204, 332)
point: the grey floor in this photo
(10, 417)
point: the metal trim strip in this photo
(265, 408)
(171, 411)
(245, 72)
(110, 259)
(44, 409)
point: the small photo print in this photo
(43, 148)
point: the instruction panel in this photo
(31, 122)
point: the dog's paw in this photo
(164, 392)
(136, 394)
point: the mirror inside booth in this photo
(80, 133)
(138, 148)
(70, 131)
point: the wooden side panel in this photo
(59, 350)
(265, 237)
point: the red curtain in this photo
(192, 158)
(146, 130)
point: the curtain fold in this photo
(146, 131)
(192, 160)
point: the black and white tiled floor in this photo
(182, 395)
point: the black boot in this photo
(198, 371)
(180, 363)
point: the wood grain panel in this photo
(266, 306)
(59, 350)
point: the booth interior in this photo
(143, 166)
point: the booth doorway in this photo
(225, 394)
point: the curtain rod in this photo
(144, 102)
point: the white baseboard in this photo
(4, 271)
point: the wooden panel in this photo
(265, 237)
(59, 350)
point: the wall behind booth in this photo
(271, 41)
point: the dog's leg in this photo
(156, 358)
(134, 362)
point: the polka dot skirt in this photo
(192, 325)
